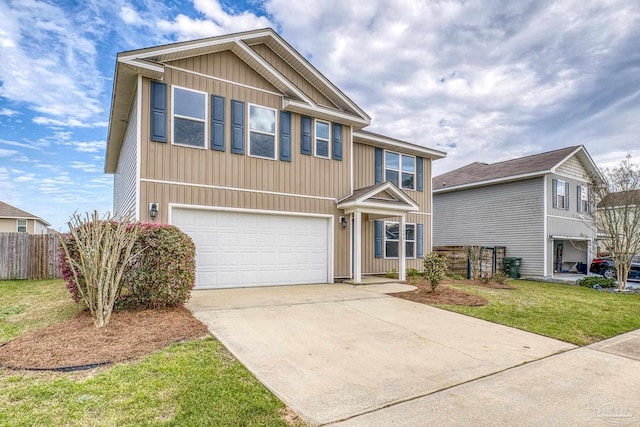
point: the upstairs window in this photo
(392, 240)
(22, 226)
(583, 198)
(560, 194)
(189, 116)
(262, 132)
(322, 139)
(400, 169)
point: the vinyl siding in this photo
(124, 180)
(292, 75)
(509, 214)
(572, 168)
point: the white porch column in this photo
(357, 247)
(402, 249)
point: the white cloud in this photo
(5, 153)
(8, 112)
(85, 167)
(68, 122)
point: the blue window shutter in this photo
(336, 151)
(554, 191)
(420, 240)
(378, 165)
(217, 123)
(237, 127)
(419, 174)
(285, 136)
(566, 196)
(305, 140)
(378, 238)
(158, 111)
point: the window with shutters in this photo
(392, 240)
(189, 117)
(321, 139)
(561, 195)
(583, 198)
(400, 169)
(262, 132)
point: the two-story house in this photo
(240, 142)
(538, 207)
(14, 220)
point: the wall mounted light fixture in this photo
(153, 210)
(343, 222)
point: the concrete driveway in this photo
(340, 353)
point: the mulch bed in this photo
(446, 295)
(76, 342)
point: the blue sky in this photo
(483, 81)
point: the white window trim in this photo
(583, 189)
(399, 170)
(315, 139)
(275, 134)
(26, 226)
(564, 195)
(414, 241)
(205, 121)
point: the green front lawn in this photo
(27, 305)
(192, 383)
(569, 313)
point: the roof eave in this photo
(381, 141)
(490, 182)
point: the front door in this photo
(557, 264)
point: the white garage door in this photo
(235, 249)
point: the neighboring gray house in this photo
(538, 207)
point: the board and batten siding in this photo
(509, 214)
(125, 177)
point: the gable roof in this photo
(479, 174)
(365, 199)
(150, 62)
(8, 211)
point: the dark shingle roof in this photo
(479, 172)
(8, 211)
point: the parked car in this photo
(607, 268)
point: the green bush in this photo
(591, 281)
(161, 275)
(393, 274)
(413, 273)
(435, 266)
(455, 276)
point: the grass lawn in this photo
(569, 313)
(27, 305)
(191, 383)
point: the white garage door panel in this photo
(236, 249)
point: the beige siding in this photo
(294, 77)
(306, 175)
(364, 165)
(125, 178)
(8, 225)
(572, 168)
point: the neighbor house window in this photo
(22, 226)
(561, 195)
(322, 139)
(262, 132)
(189, 117)
(392, 240)
(583, 198)
(400, 169)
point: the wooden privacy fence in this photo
(29, 256)
(458, 259)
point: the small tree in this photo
(104, 248)
(435, 266)
(617, 200)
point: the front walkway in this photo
(334, 352)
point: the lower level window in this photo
(392, 240)
(22, 226)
